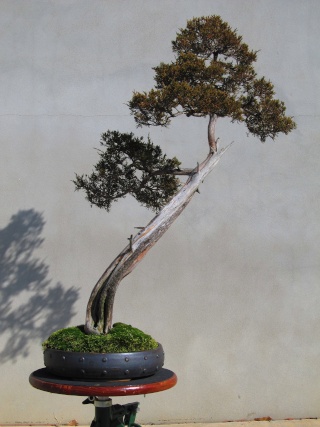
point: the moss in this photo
(121, 338)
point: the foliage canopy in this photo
(129, 165)
(213, 76)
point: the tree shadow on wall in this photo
(31, 306)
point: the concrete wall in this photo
(232, 291)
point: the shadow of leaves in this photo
(31, 307)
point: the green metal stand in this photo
(108, 415)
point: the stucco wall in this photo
(232, 291)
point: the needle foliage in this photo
(129, 165)
(213, 75)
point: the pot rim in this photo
(95, 353)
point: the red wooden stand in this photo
(99, 392)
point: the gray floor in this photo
(284, 423)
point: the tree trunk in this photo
(211, 133)
(100, 305)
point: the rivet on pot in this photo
(126, 371)
(145, 357)
(104, 359)
(81, 359)
(127, 359)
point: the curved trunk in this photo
(100, 305)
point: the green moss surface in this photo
(121, 338)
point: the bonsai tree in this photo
(212, 76)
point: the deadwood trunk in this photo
(100, 305)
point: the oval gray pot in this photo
(104, 365)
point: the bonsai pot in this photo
(111, 366)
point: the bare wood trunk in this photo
(211, 133)
(100, 305)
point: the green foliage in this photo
(212, 75)
(121, 338)
(264, 116)
(129, 165)
(208, 37)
